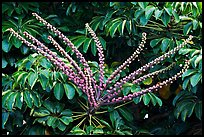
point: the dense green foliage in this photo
(38, 99)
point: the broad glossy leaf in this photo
(43, 81)
(32, 78)
(66, 112)
(4, 62)
(154, 42)
(195, 24)
(165, 44)
(165, 18)
(187, 28)
(28, 98)
(143, 20)
(11, 100)
(195, 79)
(114, 27)
(158, 13)
(59, 91)
(149, 11)
(143, 4)
(49, 105)
(78, 42)
(147, 81)
(146, 99)
(98, 131)
(152, 98)
(93, 48)
(198, 59)
(56, 123)
(69, 90)
(168, 10)
(61, 126)
(6, 46)
(66, 120)
(86, 44)
(126, 114)
(176, 16)
(51, 120)
(103, 42)
(19, 97)
(138, 13)
(5, 116)
(198, 110)
(189, 72)
(41, 112)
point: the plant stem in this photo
(79, 115)
(80, 122)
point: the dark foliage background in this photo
(38, 99)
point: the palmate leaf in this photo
(59, 91)
(69, 90)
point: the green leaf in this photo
(51, 120)
(66, 120)
(165, 44)
(126, 114)
(198, 59)
(78, 42)
(6, 46)
(126, 91)
(158, 13)
(93, 48)
(86, 44)
(129, 26)
(32, 78)
(159, 101)
(153, 99)
(195, 24)
(146, 99)
(143, 4)
(17, 43)
(36, 100)
(195, 79)
(165, 18)
(41, 112)
(187, 28)
(189, 72)
(138, 13)
(49, 105)
(147, 81)
(66, 112)
(19, 103)
(69, 90)
(5, 97)
(149, 11)
(198, 110)
(28, 98)
(103, 42)
(168, 10)
(61, 126)
(11, 100)
(5, 116)
(4, 62)
(56, 123)
(143, 20)
(77, 131)
(43, 81)
(176, 16)
(114, 27)
(154, 42)
(185, 83)
(59, 91)
(45, 63)
(98, 131)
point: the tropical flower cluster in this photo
(108, 91)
